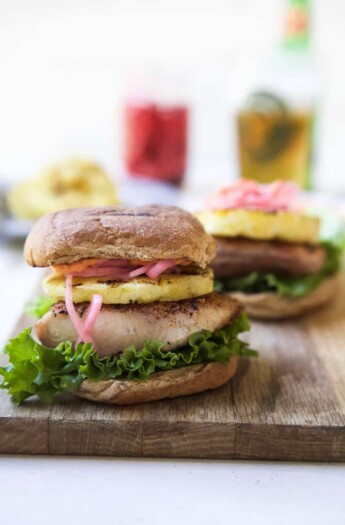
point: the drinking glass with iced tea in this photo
(276, 120)
(274, 142)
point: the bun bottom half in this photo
(173, 383)
(268, 305)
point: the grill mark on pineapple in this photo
(144, 290)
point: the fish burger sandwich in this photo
(132, 316)
(269, 253)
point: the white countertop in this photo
(37, 490)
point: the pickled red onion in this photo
(140, 270)
(92, 313)
(250, 195)
(76, 320)
(117, 273)
(159, 268)
(118, 263)
(84, 330)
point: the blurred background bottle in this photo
(275, 123)
(156, 115)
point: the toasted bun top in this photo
(145, 233)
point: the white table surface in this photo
(37, 490)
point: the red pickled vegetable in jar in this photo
(156, 141)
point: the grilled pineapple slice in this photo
(140, 290)
(282, 225)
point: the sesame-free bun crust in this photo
(145, 233)
(268, 305)
(174, 383)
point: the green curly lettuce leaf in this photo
(39, 306)
(288, 286)
(45, 372)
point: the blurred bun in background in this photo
(73, 183)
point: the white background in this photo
(63, 64)
(61, 67)
(150, 492)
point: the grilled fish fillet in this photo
(239, 257)
(119, 326)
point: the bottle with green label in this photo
(276, 118)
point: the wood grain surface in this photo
(289, 404)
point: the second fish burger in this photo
(269, 253)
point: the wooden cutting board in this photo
(289, 404)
